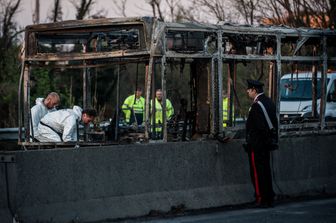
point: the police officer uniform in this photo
(257, 144)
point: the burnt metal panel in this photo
(277, 78)
(87, 56)
(148, 39)
(201, 70)
(213, 104)
(56, 40)
(26, 101)
(164, 97)
(220, 81)
(323, 83)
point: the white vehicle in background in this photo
(296, 95)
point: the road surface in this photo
(313, 211)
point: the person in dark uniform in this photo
(258, 143)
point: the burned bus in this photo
(185, 162)
(98, 63)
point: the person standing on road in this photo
(258, 142)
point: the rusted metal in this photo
(164, 90)
(234, 44)
(102, 64)
(234, 106)
(87, 56)
(117, 106)
(148, 80)
(271, 80)
(314, 91)
(200, 68)
(220, 80)
(20, 110)
(164, 97)
(323, 99)
(212, 100)
(277, 78)
(231, 74)
(153, 100)
(85, 88)
(26, 101)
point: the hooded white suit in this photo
(38, 111)
(60, 125)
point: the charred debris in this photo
(206, 55)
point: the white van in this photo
(296, 95)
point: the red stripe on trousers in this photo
(256, 181)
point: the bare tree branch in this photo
(186, 14)
(120, 6)
(215, 8)
(157, 4)
(102, 13)
(296, 13)
(173, 8)
(83, 8)
(56, 12)
(247, 8)
(8, 26)
(332, 13)
(156, 7)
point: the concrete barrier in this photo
(92, 184)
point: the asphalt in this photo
(308, 211)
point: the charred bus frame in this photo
(202, 45)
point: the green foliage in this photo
(40, 83)
(67, 83)
(9, 80)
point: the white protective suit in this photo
(38, 111)
(60, 125)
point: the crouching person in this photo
(61, 125)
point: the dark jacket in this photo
(258, 134)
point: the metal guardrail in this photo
(9, 134)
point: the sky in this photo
(133, 8)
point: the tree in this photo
(247, 8)
(172, 6)
(297, 13)
(9, 63)
(220, 10)
(156, 8)
(9, 29)
(332, 13)
(120, 7)
(83, 8)
(56, 12)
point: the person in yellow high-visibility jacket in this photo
(158, 110)
(134, 108)
(226, 110)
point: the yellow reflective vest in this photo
(225, 112)
(138, 106)
(158, 111)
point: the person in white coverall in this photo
(61, 125)
(40, 109)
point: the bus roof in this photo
(307, 75)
